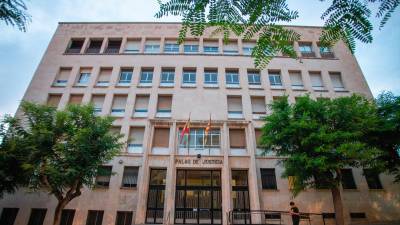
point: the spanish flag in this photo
(185, 129)
(206, 131)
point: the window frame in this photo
(171, 48)
(252, 78)
(273, 78)
(167, 74)
(124, 174)
(231, 77)
(146, 76)
(189, 74)
(125, 74)
(268, 179)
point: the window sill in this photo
(270, 190)
(123, 85)
(320, 90)
(167, 85)
(145, 85)
(211, 86)
(252, 86)
(343, 90)
(128, 188)
(140, 115)
(163, 115)
(298, 89)
(259, 116)
(58, 85)
(277, 87)
(80, 85)
(233, 86)
(101, 86)
(188, 86)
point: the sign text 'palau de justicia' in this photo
(198, 161)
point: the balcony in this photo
(212, 151)
(117, 112)
(308, 54)
(124, 83)
(259, 116)
(60, 83)
(297, 87)
(327, 55)
(135, 148)
(235, 115)
(140, 113)
(102, 83)
(163, 113)
(167, 84)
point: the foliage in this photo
(57, 151)
(346, 20)
(13, 12)
(317, 138)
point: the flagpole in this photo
(188, 151)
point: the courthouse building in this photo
(137, 73)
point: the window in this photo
(8, 216)
(316, 81)
(146, 76)
(210, 76)
(275, 78)
(199, 140)
(113, 46)
(67, 216)
(125, 77)
(95, 217)
(135, 141)
(152, 46)
(104, 77)
(103, 176)
(258, 105)
(75, 99)
(248, 47)
(75, 46)
(124, 218)
(37, 216)
(348, 179)
(118, 105)
(130, 176)
(189, 76)
(192, 48)
(231, 48)
(322, 180)
(296, 80)
(258, 133)
(94, 46)
(171, 47)
(161, 138)
(164, 104)
(62, 77)
(235, 110)
(98, 101)
(373, 180)
(167, 76)
(210, 46)
(132, 46)
(358, 215)
(84, 77)
(337, 82)
(306, 50)
(254, 77)
(53, 100)
(232, 77)
(326, 52)
(268, 179)
(237, 138)
(141, 105)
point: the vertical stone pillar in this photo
(225, 175)
(169, 209)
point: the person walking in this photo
(294, 211)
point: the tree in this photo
(59, 151)
(318, 138)
(14, 13)
(346, 20)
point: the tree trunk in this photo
(338, 205)
(57, 213)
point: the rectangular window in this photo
(306, 49)
(171, 47)
(210, 76)
(191, 48)
(75, 46)
(348, 179)
(124, 218)
(164, 104)
(104, 77)
(326, 52)
(322, 180)
(103, 176)
(197, 139)
(113, 46)
(237, 138)
(152, 46)
(67, 216)
(141, 105)
(258, 133)
(62, 77)
(167, 76)
(37, 216)
(130, 176)
(53, 100)
(98, 101)
(189, 76)
(231, 48)
(268, 179)
(254, 77)
(132, 46)
(336, 78)
(232, 77)
(210, 46)
(125, 76)
(8, 216)
(146, 76)
(235, 107)
(94, 46)
(95, 217)
(373, 180)
(161, 138)
(84, 77)
(296, 80)
(275, 78)
(75, 99)
(248, 47)
(358, 215)
(258, 105)
(316, 81)
(135, 141)
(118, 105)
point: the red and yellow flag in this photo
(207, 130)
(186, 129)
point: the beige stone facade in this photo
(137, 74)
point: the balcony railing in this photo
(308, 54)
(327, 55)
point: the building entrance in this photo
(198, 197)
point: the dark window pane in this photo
(8, 216)
(373, 179)
(348, 179)
(157, 176)
(239, 177)
(268, 178)
(67, 216)
(123, 218)
(130, 176)
(95, 217)
(358, 215)
(103, 177)
(37, 216)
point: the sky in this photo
(20, 53)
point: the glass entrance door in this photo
(198, 197)
(240, 197)
(155, 198)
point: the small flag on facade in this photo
(185, 129)
(207, 130)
